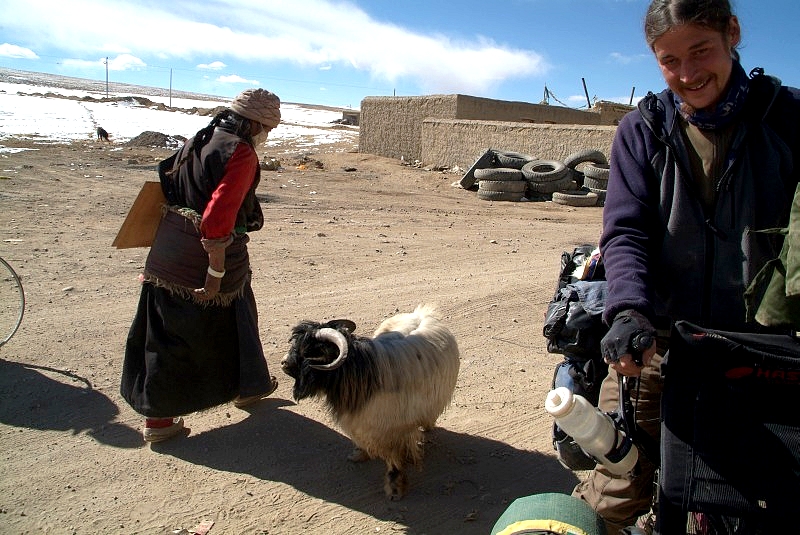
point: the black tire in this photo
(575, 198)
(544, 170)
(593, 183)
(597, 171)
(498, 174)
(499, 195)
(570, 184)
(577, 176)
(510, 186)
(549, 187)
(601, 196)
(485, 160)
(514, 160)
(586, 155)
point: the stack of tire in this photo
(588, 169)
(596, 180)
(503, 180)
(546, 178)
(580, 180)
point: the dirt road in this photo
(362, 244)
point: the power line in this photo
(548, 94)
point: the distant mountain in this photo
(14, 76)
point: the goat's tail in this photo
(407, 322)
(426, 309)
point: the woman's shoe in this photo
(240, 401)
(159, 429)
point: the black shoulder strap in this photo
(763, 92)
(779, 109)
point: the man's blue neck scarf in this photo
(727, 109)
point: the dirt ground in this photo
(359, 237)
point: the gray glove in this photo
(630, 334)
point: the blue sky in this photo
(336, 53)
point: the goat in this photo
(382, 391)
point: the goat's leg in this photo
(395, 482)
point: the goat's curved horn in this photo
(336, 338)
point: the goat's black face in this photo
(306, 349)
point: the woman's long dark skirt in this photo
(181, 357)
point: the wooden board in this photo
(141, 223)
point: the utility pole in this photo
(106, 62)
(170, 87)
(633, 90)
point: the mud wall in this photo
(393, 126)
(451, 142)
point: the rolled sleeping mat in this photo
(555, 513)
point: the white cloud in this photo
(125, 62)
(213, 66)
(577, 100)
(309, 33)
(622, 59)
(17, 52)
(83, 64)
(236, 79)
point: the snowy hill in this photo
(51, 108)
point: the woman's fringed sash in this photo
(179, 263)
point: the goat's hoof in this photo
(358, 456)
(396, 484)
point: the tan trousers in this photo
(620, 500)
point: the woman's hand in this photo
(214, 274)
(210, 289)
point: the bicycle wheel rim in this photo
(12, 302)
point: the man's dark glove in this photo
(630, 334)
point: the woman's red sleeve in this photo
(219, 216)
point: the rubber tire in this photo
(514, 160)
(575, 198)
(510, 186)
(498, 174)
(577, 176)
(544, 170)
(486, 160)
(597, 171)
(601, 196)
(499, 195)
(593, 183)
(550, 187)
(585, 155)
(570, 185)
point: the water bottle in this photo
(592, 429)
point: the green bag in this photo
(773, 298)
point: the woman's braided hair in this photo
(226, 119)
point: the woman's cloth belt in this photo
(178, 261)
